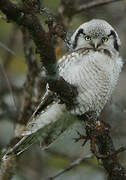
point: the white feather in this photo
(95, 76)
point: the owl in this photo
(92, 66)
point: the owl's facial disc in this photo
(95, 41)
(96, 34)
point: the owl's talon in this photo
(86, 140)
(81, 137)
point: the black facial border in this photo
(76, 37)
(116, 46)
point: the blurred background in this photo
(35, 163)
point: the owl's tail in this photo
(45, 127)
(21, 146)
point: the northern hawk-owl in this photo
(93, 67)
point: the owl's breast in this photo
(95, 77)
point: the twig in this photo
(7, 49)
(70, 166)
(10, 51)
(9, 86)
(13, 40)
(62, 155)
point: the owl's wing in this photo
(45, 127)
(47, 99)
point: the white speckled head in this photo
(95, 29)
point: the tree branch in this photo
(42, 40)
(70, 166)
(92, 4)
(7, 169)
(29, 20)
(78, 9)
(102, 146)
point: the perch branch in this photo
(102, 146)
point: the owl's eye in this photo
(104, 39)
(87, 38)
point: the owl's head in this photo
(96, 34)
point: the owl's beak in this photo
(95, 43)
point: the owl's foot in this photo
(109, 155)
(81, 137)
